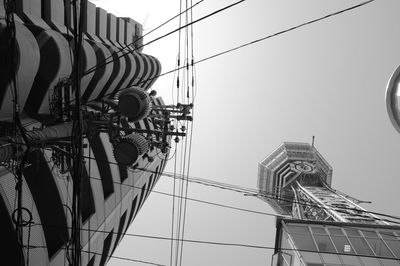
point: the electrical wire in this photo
(256, 192)
(96, 253)
(233, 244)
(193, 199)
(246, 191)
(163, 36)
(262, 39)
(19, 163)
(192, 124)
(127, 46)
(239, 189)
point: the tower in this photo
(296, 181)
(318, 225)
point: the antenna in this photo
(312, 142)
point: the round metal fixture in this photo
(128, 150)
(134, 103)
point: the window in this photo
(394, 245)
(324, 243)
(301, 235)
(360, 245)
(340, 240)
(379, 247)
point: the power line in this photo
(231, 244)
(141, 37)
(96, 253)
(263, 39)
(126, 259)
(227, 206)
(163, 36)
(238, 189)
(195, 200)
(287, 30)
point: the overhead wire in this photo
(224, 205)
(235, 244)
(234, 188)
(97, 253)
(19, 163)
(127, 46)
(188, 75)
(176, 144)
(221, 54)
(163, 36)
(77, 132)
(263, 38)
(239, 189)
(255, 192)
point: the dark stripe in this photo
(48, 71)
(97, 74)
(142, 195)
(48, 202)
(132, 214)
(145, 68)
(116, 69)
(106, 248)
(128, 69)
(88, 207)
(137, 68)
(152, 73)
(103, 165)
(119, 234)
(123, 170)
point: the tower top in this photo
(289, 164)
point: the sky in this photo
(326, 80)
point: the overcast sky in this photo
(327, 79)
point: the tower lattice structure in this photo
(295, 180)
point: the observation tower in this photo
(295, 180)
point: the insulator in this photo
(134, 103)
(128, 150)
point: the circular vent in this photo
(134, 103)
(128, 150)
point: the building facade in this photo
(320, 225)
(111, 192)
(320, 243)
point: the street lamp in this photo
(393, 99)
